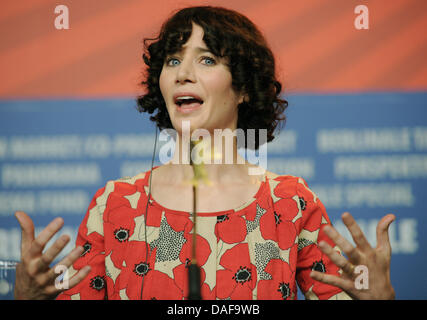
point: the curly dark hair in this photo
(228, 34)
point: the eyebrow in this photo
(198, 49)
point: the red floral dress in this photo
(257, 251)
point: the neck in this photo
(220, 158)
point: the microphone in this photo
(193, 268)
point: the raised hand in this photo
(376, 261)
(35, 279)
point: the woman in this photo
(257, 234)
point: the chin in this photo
(190, 124)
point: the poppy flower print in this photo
(242, 275)
(121, 234)
(284, 290)
(259, 251)
(277, 218)
(97, 283)
(231, 229)
(86, 248)
(277, 284)
(141, 269)
(319, 266)
(238, 278)
(302, 203)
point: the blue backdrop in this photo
(362, 153)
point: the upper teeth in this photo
(185, 97)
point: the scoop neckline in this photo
(204, 214)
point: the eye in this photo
(174, 61)
(209, 60)
(168, 61)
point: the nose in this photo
(185, 72)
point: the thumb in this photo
(27, 228)
(383, 240)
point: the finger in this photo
(332, 280)
(383, 240)
(355, 231)
(342, 243)
(337, 258)
(77, 278)
(27, 230)
(53, 251)
(67, 261)
(66, 284)
(45, 235)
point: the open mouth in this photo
(187, 104)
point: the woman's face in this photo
(194, 71)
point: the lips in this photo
(176, 96)
(187, 101)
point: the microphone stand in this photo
(193, 268)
